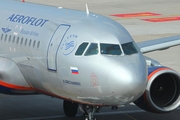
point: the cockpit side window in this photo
(129, 48)
(92, 50)
(110, 49)
(81, 48)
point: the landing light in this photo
(60, 7)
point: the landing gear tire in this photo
(70, 108)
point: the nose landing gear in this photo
(71, 108)
(89, 111)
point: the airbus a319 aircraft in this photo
(86, 59)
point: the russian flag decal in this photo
(74, 70)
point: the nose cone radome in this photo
(127, 81)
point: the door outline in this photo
(52, 54)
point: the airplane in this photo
(86, 59)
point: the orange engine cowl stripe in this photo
(157, 70)
(16, 87)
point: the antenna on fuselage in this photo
(87, 10)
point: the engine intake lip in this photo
(164, 90)
(160, 83)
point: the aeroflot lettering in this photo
(27, 20)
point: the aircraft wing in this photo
(158, 44)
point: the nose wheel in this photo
(70, 108)
(89, 111)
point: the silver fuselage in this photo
(36, 39)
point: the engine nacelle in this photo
(12, 80)
(162, 93)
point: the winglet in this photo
(23, 0)
(87, 10)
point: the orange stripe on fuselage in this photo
(157, 70)
(16, 87)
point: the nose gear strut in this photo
(89, 111)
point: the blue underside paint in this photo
(9, 91)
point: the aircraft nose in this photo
(128, 80)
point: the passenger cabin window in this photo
(81, 48)
(26, 42)
(5, 37)
(34, 43)
(38, 44)
(129, 48)
(21, 41)
(30, 42)
(1, 36)
(110, 49)
(92, 49)
(17, 40)
(10, 38)
(14, 39)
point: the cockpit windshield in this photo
(92, 49)
(81, 48)
(129, 48)
(106, 49)
(110, 49)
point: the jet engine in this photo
(162, 93)
(12, 80)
